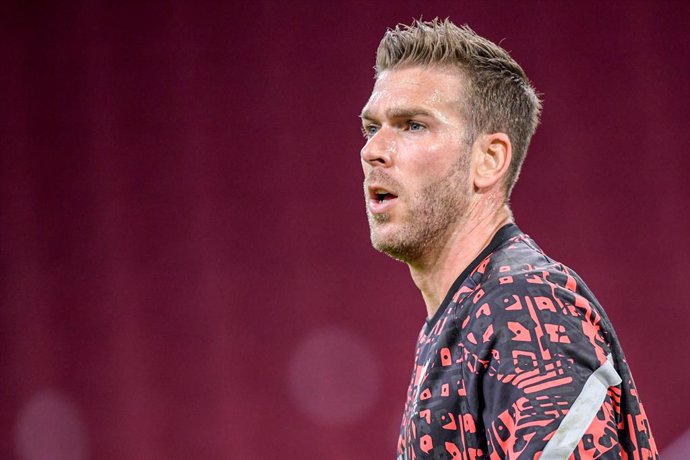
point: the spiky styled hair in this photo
(498, 97)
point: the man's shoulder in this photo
(517, 255)
(519, 263)
(519, 272)
(519, 294)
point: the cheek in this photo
(431, 161)
(444, 152)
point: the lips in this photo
(380, 199)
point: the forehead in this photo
(433, 88)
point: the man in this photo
(516, 359)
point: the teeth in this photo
(381, 195)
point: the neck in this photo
(435, 273)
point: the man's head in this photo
(497, 95)
(444, 126)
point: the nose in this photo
(379, 149)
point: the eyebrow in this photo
(397, 112)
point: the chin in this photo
(394, 248)
(381, 235)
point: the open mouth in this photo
(382, 196)
(380, 199)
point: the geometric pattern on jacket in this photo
(521, 362)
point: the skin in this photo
(449, 198)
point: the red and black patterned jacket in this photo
(521, 362)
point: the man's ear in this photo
(492, 155)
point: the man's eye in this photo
(414, 126)
(369, 130)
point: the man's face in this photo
(415, 160)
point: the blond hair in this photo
(498, 95)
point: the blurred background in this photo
(185, 269)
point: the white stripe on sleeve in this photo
(582, 412)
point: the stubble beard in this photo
(431, 214)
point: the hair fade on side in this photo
(498, 95)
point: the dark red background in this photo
(181, 209)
